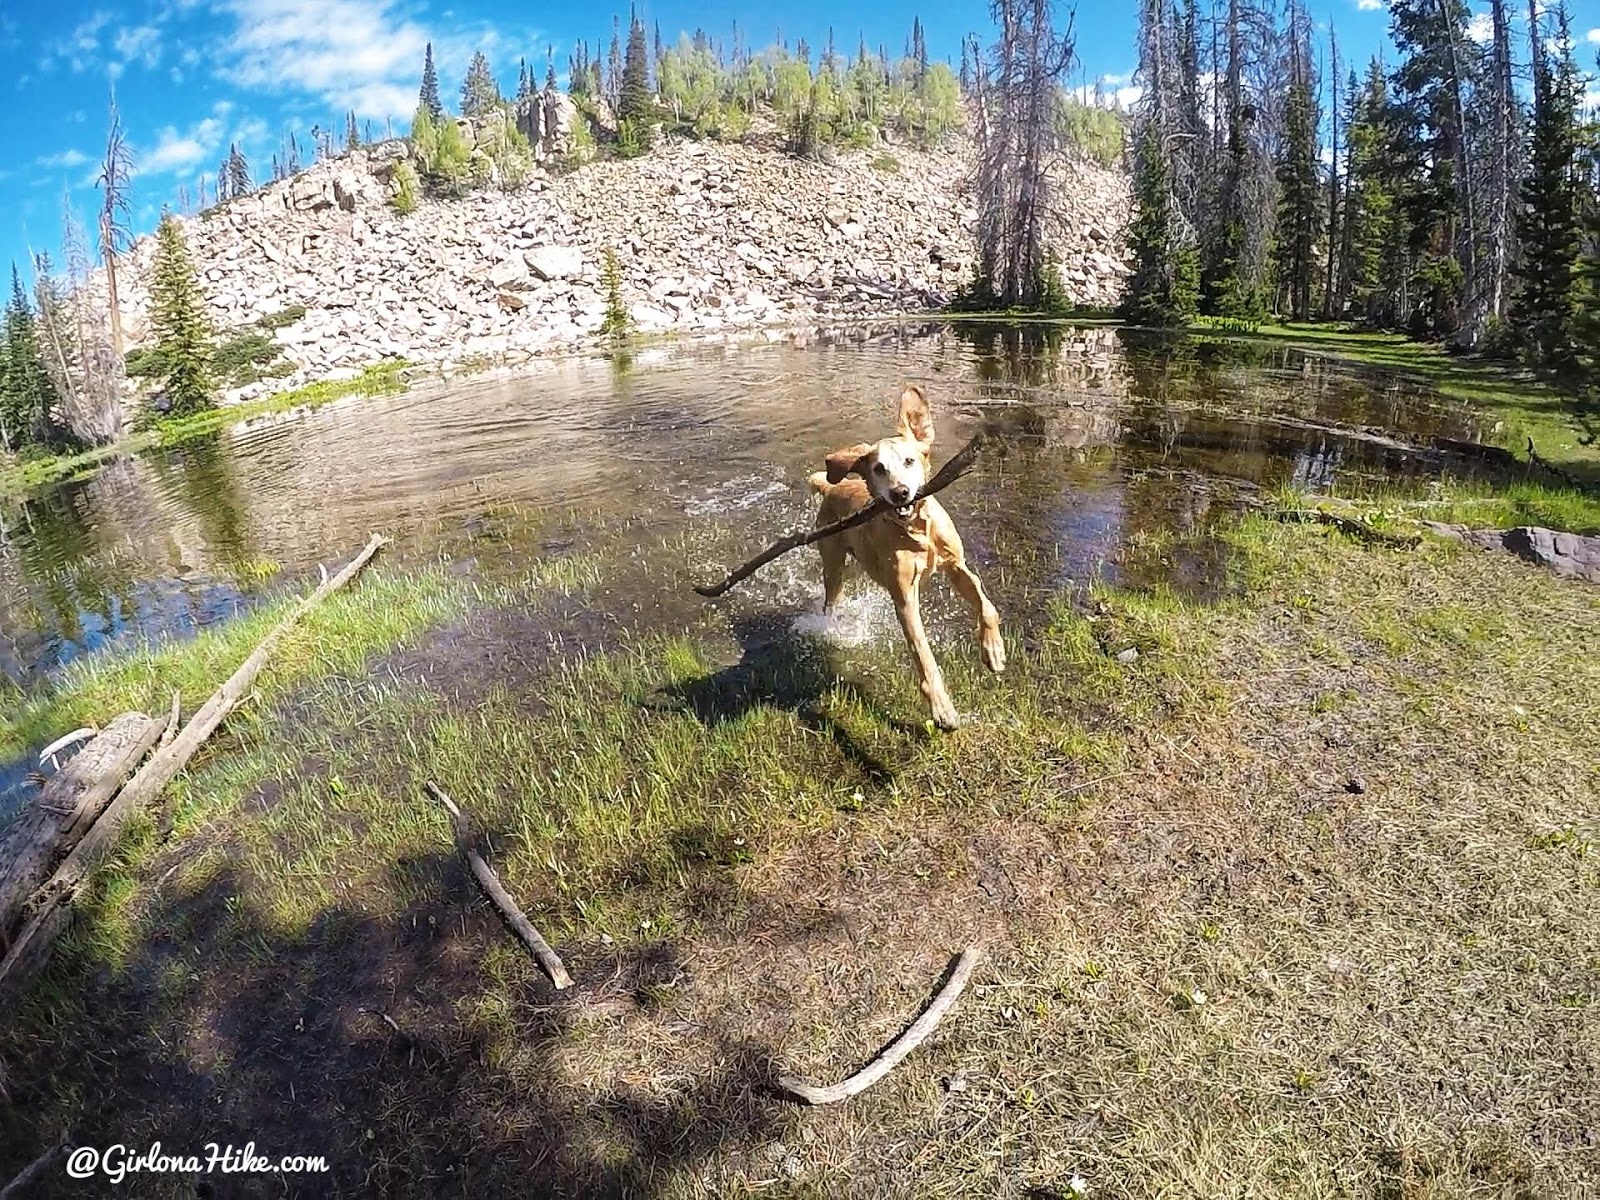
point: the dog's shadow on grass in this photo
(780, 668)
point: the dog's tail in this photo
(819, 483)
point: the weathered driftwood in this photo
(541, 950)
(1356, 529)
(946, 475)
(45, 831)
(49, 908)
(897, 1051)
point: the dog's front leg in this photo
(907, 607)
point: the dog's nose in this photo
(900, 495)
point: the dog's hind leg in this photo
(966, 581)
(833, 563)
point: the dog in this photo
(900, 548)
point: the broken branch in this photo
(902, 1046)
(947, 474)
(541, 950)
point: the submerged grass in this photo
(1299, 899)
(1525, 407)
(26, 476)
(385, 608)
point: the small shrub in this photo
(406, 188)
(244, 359)
(887, 163)
(630, 140)
(1500, 341)
(616, 320)
(281, 319)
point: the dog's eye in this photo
(908, 462)
(879, 468)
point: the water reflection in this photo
(1112, 440)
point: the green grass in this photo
(22, 477)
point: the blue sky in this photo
(194, 76)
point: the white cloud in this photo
(352, 53)
(1369, 5)
(67, 159)
(175, 151)
(139, 43)
(1481, 28)
(1592, 37)
(79, 47)
(1126, 98)
(361, 55)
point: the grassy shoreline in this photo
(1266, 903)
(20, 478)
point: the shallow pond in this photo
(696, 457)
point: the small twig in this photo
(902, 1046)
(947, 474)
(492, 887)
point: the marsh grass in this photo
(1217, 966)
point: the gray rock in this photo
(554, 262)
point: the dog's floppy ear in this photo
(916, 420)
(843, 462)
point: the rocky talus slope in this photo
(707, 237)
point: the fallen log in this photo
(541, 950)
(50, 906)
(1356, 529)
(45, 831)
(897, 1051)
(946, 475)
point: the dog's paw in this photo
(994, 654)
(946, 717)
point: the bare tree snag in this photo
(546, 957)
(46, 830)
(946, 475)
(902, 1046)
(50, 906)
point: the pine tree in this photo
(1165, 283)
(1545, 307)
(1371, 227)
(479, 92)
(524, 82)
(634, 103)
(238, 172)
(1431, 140)
(428, 97)
(578, 71)
(1299, 207)
(550, 69)
(178, 319)
(352, 131)
(58, 344)
(28, 400)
